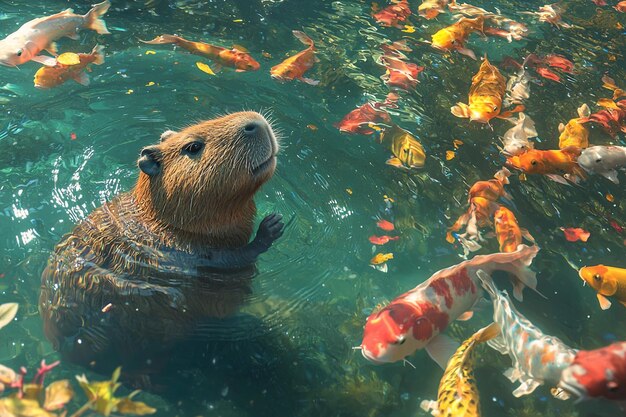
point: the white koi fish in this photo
(416, 319)
(537, 358)
(515, 140)
(603, 160)
(38, 34)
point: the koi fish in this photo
(517, 87)
(599, 373)
(574, 234)
(381, 258)
(608, 281)
(393, 14)
(553, 163)
(360, 120)
(430, 9)
(537, 358)
(385, 225)
(454, 36)
(382, 240)
(620, 7)
(548, 74)
(603, 160)
(575, 133)
(408, 152)
(294, 67)
(400, 74)
(609, 84)
(233, 58)
(560, 62)
(416, 319)
(550, 13)
(507, 28)
(31, 38)
(515, 140)
(508, 232)
(458, 394)
(485, 96)
(69, 66)
(612, 120)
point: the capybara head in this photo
(201, 181)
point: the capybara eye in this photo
(193, 148)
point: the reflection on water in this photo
(66, 151)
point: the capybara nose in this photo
(252, 128)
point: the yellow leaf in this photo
(610, 197)
(612, 57)
(68, 58)
(608, 103)
(450, 155)
(150, 84)
(238, 21)
(7, 313)
(522, 177)
(204, 68)
(408, 29)
(618, 25)
(130, 91)
(127, 406)
(349, 191)
(22, 407)
(149, 52)
(58, 394)
(196, 98)
(457, 143)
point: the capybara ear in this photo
(150, 160)
(166, 135)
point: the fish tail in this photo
(487, 283)
(163, 39)
(93, 18)
(98, 54)
(487, 333)
(458, 225)
(517, 263)
(302, 37)
(460, 110)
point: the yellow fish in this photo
(407, 151)
(381, 258)
(608, 281)
(574, 133)
(454, 36)
(458, 394)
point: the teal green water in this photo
(290, 351)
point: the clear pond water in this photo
(65, 151)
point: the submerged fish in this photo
(38, 34)
(430, 9)
(381, 258)
(400, 74)
(407, 151)
(458, 394)
(453, 37)
(603, 160)
(550, 13)
(234, 58)
(599, 373)
(508, 232)
(48, 77)
(555, 164)
(612, 120)
(537, 358)
(608, 281)
(575, 133)
(485, 96)
(393, 14)
(518, 87)
(515, 140)
(294, 67)
(360, 120)
(416, 319)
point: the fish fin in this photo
(74, 36)
(526, 235)
(163, 39)
(518, 266)
(467, 52)
(561, 127)
(584, 111)
(381, 267)
(45, 60)
(623, 303)
(302, 37)
(560, 394)
(512, 374)
(518, 289)
(604, 302)
(526, 388)
(498, 343)
(509, 113)
(611, 175)
(466, 316)
(487, 333)
(93, 18)
(558, 178)
(441, 348)
(217, 68)
(98, 54)
(81, 78)
(430, 407)
(53, 48)
(460, 110)
(310, 81)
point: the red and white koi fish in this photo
(551, 13)
(537, 358)
(612, 119)
(505, 27)
(599, 373)
(416, 319)
(38, 34)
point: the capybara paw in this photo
(270, 229)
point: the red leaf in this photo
(573, 234)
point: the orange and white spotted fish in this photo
(416, 319)
(537, 358)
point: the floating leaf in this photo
(573, 234)
(349, 191)
(150, 52)
(68, 58)
(127, 406)
(22, 407)
(58, 394)
(408, 29)
(608, 103)
(312, 127)
(457, 143)
(237, 20)
(150, 84)
(130, 91)
(387, 226)
(610, 198)
(204, 68)
(7, 313)
(381, 258)
(450, 155)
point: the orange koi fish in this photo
(393, 14)
(560, 62)
(234, 58)
(553, 163)
(385, 225)
(485, 96)
(69, 66)
(620, 7)
(613, 119)
(295, 66)
(575, 133)
(400, 74)
(359, 120)
(508, 232)
(454, 36)
(382, 240)
(608, 281)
